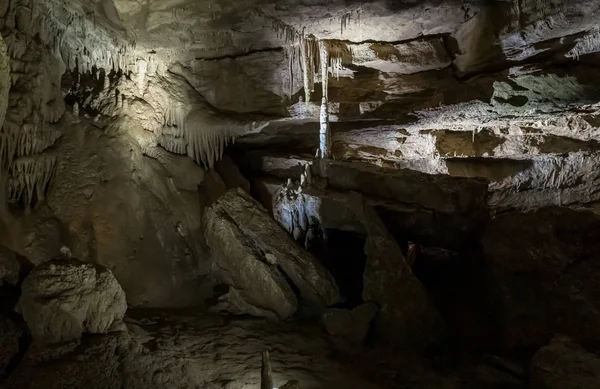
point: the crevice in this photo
(241, 55)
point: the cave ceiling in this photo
(506, 90)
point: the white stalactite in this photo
(324, 134)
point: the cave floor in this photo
(191, 349)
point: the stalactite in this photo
(344, 24)
(323, 53)
(309, 50)
(29, 178)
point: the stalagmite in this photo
(266, 375)
(324, 135)
(142, 67)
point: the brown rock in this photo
(564, 365)
(546, 271)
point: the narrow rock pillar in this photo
(266, 375)
(324, 133)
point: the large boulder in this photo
(546, 275)
(62, 299)
(260, 263)
(564, 365)
(407, 317)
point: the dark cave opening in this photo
(342, 252)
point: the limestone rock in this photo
(43, 241)
(255, 256)
(9, 267)
(564, 365)
(407, 317)
(433, 210)
(62, 299)
(352, 325)
(545, 275)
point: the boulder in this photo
(351, 325)
(407, 317)
(62, 299)
(564, 365)
(9, 267)
(262, 265)
(546, 275)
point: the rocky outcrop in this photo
(407, 318)
(437, 211)
(261, 264)
(546, 269)
(564, 364)
(62, 299)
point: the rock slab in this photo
(267, 272)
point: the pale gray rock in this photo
(351, 325)
(257, 259)
(564, 364)
(62, 299)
